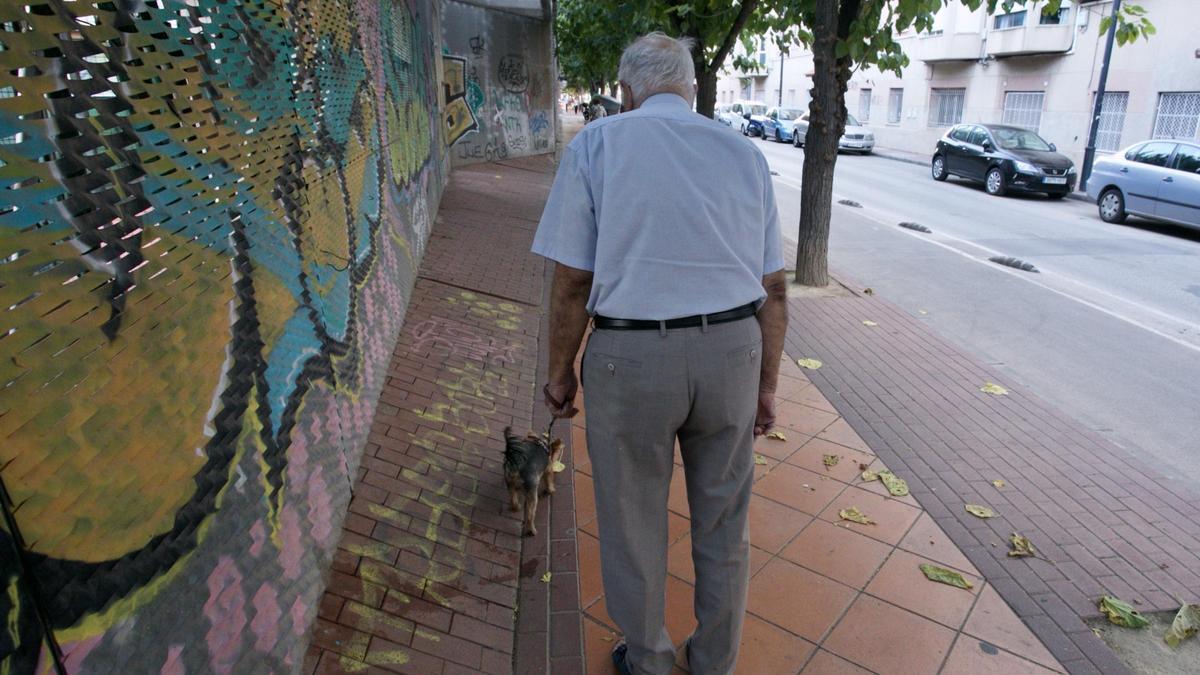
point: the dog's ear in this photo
(556, 450)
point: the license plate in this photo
(854, 144)
(1055, 181)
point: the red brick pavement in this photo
(1104, 522)
(431, 575)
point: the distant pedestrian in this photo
(680, 269)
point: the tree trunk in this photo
(827, 122)
(706, 92)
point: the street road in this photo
(1109, 330)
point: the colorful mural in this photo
(211, 212)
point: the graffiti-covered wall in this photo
(210, 216)
(500, 88)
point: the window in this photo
(1155, 154)
(1177, 115)
(1010, 20)
(1058, 18)
(1112, 120)
(1023, 109)
(895, 103)
(864, 104)
(961, 134)
(978, 136)
(1187, 158)
(946, 106)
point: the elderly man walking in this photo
(665, 232)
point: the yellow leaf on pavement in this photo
(1021, 547)
(1185, 625)
(777, 436)
(759, 459)
(558, 467)
(993, 389)
(1122, 613)
(896, 486)
(868, 475)
(831, 460)
(546, 578)
(854, 515)
(980, 511)
(811, 364)
(945, 576)
(998, 483)
(868, 322)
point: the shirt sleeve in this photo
(773, 243)
(567, 230)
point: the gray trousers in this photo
(644, 389)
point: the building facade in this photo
(1019, 67)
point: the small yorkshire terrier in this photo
(529, 470)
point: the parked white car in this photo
(736, 114)
(856, 138)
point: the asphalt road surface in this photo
(1108, 330)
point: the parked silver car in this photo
(1154, 179)
(855, 138)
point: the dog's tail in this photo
(508, 434)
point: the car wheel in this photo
(1056, 195)
(778, 136)
(795, 140)
(938, 169)
(1112, 206)
(762, 135)
(995, 182)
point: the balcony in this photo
(953, 46)
(1035, 39)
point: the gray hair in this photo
(656, 63)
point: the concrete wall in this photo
(1166, 63)
(210, 221)
(507, 103)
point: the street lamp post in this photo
(1089, 155)
(780, 79)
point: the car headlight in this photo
(1026, 167)
(1071, 169)
(869, 137)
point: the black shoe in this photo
(619, 659)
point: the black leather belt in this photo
(604, 322)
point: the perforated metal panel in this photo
(209, 217)
(864, 105)
(1178, 115)
(895, 105)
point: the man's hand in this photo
(560, 396)
(765, 418)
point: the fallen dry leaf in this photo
(546, 578)
(868, 475)
(993, 389)
(980, 511)
(896, 486)
(808, 487)
(606, 638)
(945, 576)
(854, 515)
(811, 364)
(1185, 625)
(759, 459)
(868, 322)
(867, 291)
(1021, 547)
(922, 311)
(777, 436)
(831, 460)
(1121, 613)
(558, 467)
(998, 483)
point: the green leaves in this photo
(1122, 613)
(945, 576)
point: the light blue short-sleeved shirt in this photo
(673, 212)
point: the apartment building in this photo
(1018, 67)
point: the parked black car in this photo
(1004, 158)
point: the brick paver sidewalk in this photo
(826, 595)
(1104, 522)
(428, 577)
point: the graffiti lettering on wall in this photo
(488, 152)
(513, 74)
(211, 218)
(477, 45)
(458, 116)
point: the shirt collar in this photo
(664, 100)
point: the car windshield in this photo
(1020, 139)
(851, 122)
(789, 113)
(756, 109)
